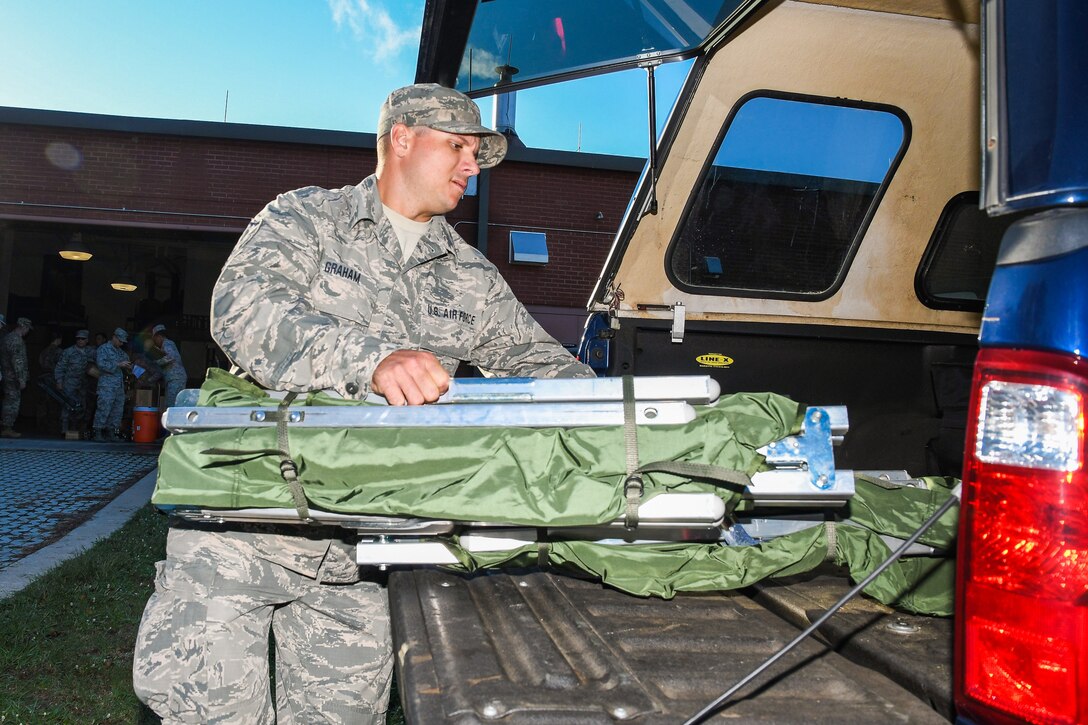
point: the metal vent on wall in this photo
(528, 248)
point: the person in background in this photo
(50, 354)
(146, 373)
(359, 289)
(48, 407)
(90, 402)
(71, 375)
(172, 369)
(112, 362)
(16, 373)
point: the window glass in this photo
(781, 208)
(530, 40)
(959, 261)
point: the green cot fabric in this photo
(561, 477)
(920, 584)
(521, 476)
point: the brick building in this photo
(163, 202)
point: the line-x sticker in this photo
(714, 360)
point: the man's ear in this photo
(400, 139)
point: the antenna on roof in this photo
(225, 102)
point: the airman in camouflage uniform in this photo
(16, 372)
(360, 289)
(112, 361)
(173, 371)
(71, 373)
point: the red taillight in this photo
(1022, 585)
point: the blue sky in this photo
(305, 63)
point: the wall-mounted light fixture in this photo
(600, 216)
(75, 250)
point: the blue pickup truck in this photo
(1022, 600)
(878, 204)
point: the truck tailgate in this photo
(536, 647)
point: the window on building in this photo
(783, 204)
(528, 248)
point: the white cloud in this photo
(382, 38)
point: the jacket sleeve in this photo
(107, 362)
(512, 344)
(263, 316)
(169, 354)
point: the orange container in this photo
(145, 425)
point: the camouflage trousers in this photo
(173, 387)
(202, 648)
(111, 404)
(13, 395)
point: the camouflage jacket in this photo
(108, 359)
(13, 358)
(314, 296)
(170, 362)
(71, 369)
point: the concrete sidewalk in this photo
(50, 486)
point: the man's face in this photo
(116, 341)
(81, 342)
(439, 166)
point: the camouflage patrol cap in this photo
(121, 334)
(24, 322)
(443, 109)
(82, 334)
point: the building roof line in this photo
(281, 134)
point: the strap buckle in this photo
(289, 469)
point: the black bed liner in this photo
(536, 647)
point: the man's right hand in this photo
(410, 377)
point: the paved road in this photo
(60, 496)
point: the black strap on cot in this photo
(288, 467)
(633, 486)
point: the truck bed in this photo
(539, 647)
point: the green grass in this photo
(66, 640)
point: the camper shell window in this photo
(782, 205)
(958, 263)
